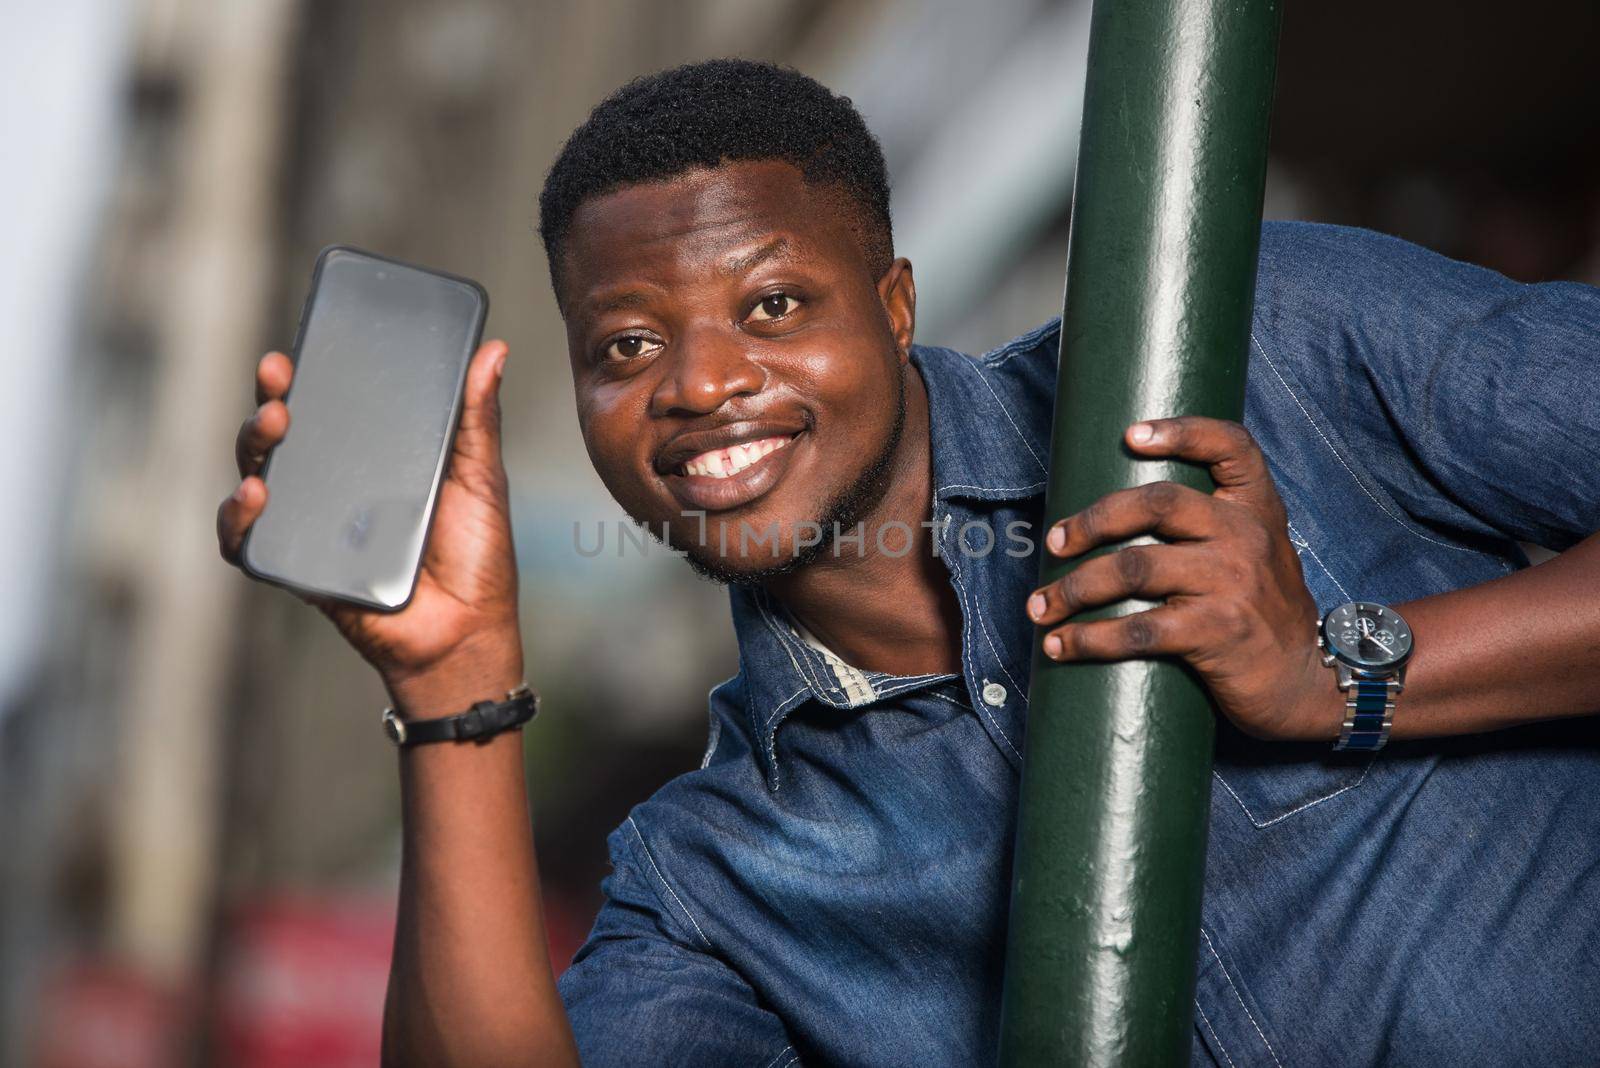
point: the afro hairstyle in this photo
(705, 114)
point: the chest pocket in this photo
(1355, 543)
(1272, 781)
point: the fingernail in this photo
(1052, 646)
(1036, 605)
(1141, 432)
(1056, 539)
(500, 363)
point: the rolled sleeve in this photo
(647, 989)
(1469, 397)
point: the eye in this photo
(773, 306)
(629, 347)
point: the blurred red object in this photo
(97, 1015)
(302, 980)
(303, 983)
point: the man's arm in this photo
(471, 981)
(651, 986)
(1468, 399)
(1513, 650)
(1461, 395)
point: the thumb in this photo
(478, 438)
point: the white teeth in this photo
(724, 463)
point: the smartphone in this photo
(380, 364)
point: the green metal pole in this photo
(1116, 783)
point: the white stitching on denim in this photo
(952, 700)
(804, 674)
(1007, 413)
(784, 706)
(1298, 808)
(795, 1059)
(810, 671)
(809, 655)
(651, 858)
(966, 656)
(1225, 1054)
(984, 626)
(1239, 997)
(775, 1056)
(1401, 523)
(992, 489)
(890, 691)
(756, 731)
(898, 680)
(1305, 544)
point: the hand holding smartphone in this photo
(372, 479)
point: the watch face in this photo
(1367, 635)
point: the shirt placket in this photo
(998, 696)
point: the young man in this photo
(831, 886)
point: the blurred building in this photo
(199, 811)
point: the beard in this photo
(842, 512)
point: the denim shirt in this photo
(831, 885)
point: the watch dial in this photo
(1367, 635)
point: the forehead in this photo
(691, 226)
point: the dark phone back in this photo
(380, 363)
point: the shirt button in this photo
(994, 694)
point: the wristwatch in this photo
(1367, 645)
(482, 721)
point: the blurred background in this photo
(198, 813)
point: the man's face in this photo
(739, 370)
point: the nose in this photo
(708, 368)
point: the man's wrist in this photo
(457, 682)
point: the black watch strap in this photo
(482, 721)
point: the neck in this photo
(896, 614)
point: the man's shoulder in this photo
(1320, 275)
(1042, 342)
(1020, 375)
(728, 770)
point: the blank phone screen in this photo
(376, 393)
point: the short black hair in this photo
(704, 114)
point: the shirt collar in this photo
(979, 453)
(979, 450)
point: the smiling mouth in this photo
(727, 462)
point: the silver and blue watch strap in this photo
(1369, 711)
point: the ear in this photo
(898, 291)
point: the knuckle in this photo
(1138, 633)
(1239, 571)
(1225, 616)
(1133, 567)
(1091, 521)
(1161, 497)
(1182, 426)
(1236, 622)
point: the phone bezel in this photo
(441, 468)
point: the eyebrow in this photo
(737, 265)
(619, 302)
(731, 267)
